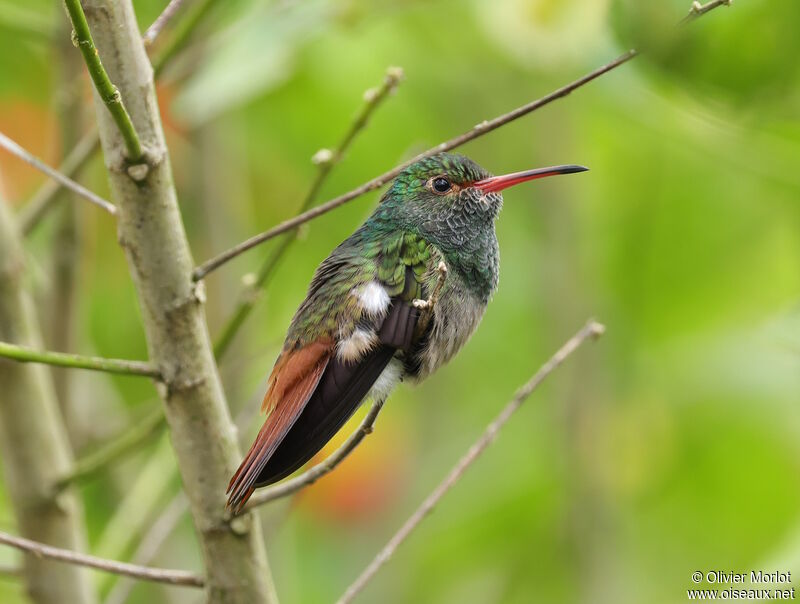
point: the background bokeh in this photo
(672, 445)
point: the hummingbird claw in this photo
(437, 290)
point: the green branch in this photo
(115, 448)
(62, 359)
(105, 88)
(325, 160)
(43, 199)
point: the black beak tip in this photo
(574, 169)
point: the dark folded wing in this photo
(338, 394)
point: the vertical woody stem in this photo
(151, 232)
(33, 442)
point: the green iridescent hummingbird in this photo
(396, 300)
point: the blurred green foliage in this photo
(670, 446)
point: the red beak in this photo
(498, 183)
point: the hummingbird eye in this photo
(441, 184)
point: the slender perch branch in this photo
(161, 21)
(698, 10)
(590, 330)
(34, 161)
(313, 474)
(158, 575)
(477, 131)
(33, 211)
(182, 34)
(109, 93)
(24, 354)
(326, 160)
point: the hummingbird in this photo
(395, 301)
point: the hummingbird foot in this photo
(427, 305)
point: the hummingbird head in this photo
(449, 199)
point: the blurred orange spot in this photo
(368, 480)
(34, 128)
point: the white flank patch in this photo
(372, 298)
(387, 380)
(356, 346)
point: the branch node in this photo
(182, 385)
(323, 156)
(241, 524)
(138, 172)
(199, 292)
(596, 329)
(394, 75)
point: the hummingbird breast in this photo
(456, 316)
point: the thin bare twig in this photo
(24, 354)
(43, 199)
(592, 329)
(477, 131)
(310, 476)
(102, 83)
(158, 575)
(34, 161)
(326, 160)
(161, 21)
(33, 211)
(698, 9)
(182, 34)
(151, 544)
